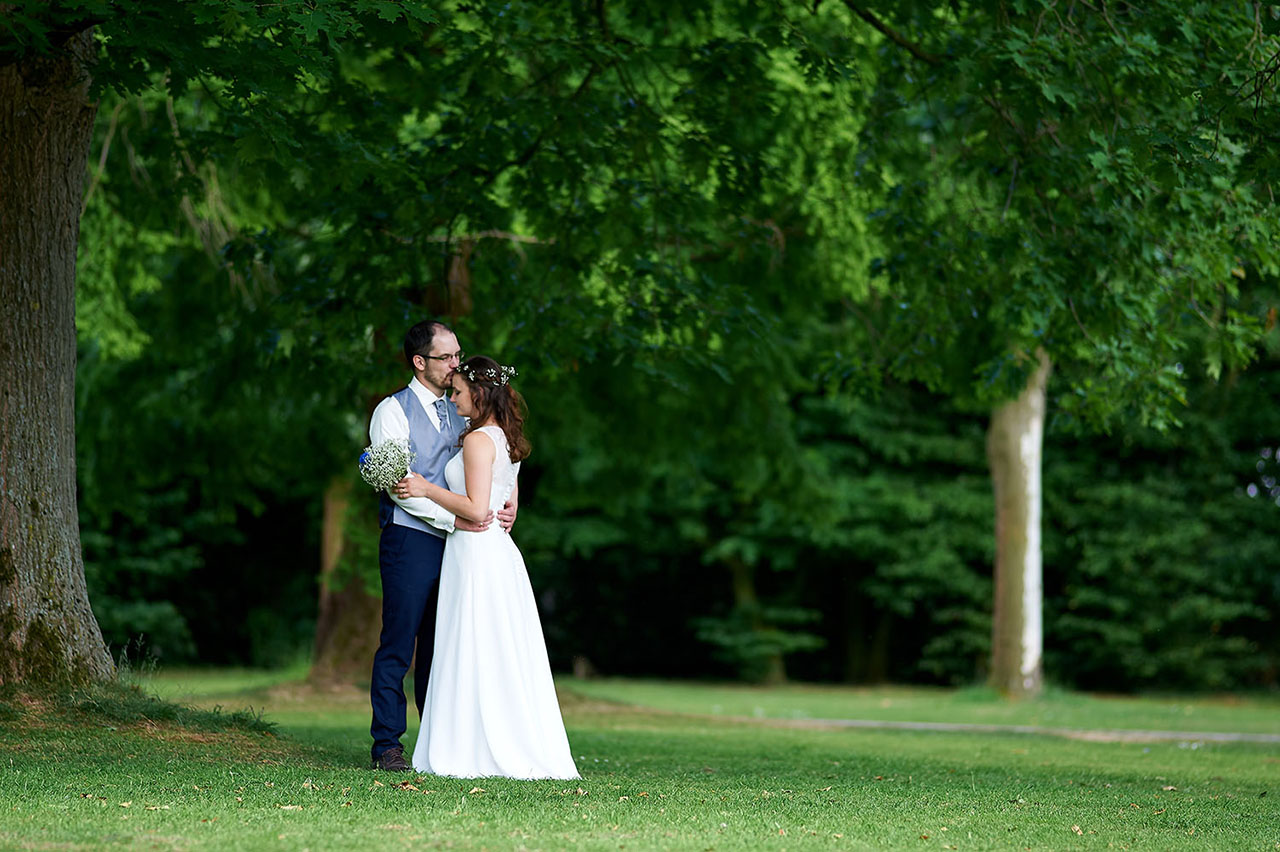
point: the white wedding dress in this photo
(491, 705)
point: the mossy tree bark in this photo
(1014, 442)
(48, 634)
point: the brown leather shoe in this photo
(392, 760)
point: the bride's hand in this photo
(412, 485)
(473, 526)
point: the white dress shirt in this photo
(389, 422)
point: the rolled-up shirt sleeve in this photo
(388, 423)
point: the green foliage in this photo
(1169, 574)
(263, 50)
(1158, 565)
(155, 628)
(639, 166)
(1091, 182)
(185, 456)
(742, 640)
(669, 220)
(913, 529)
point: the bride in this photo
(491, 705)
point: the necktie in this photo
(442, 411)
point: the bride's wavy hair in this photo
(493, 397)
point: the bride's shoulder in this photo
(494, 432)
(480, 441)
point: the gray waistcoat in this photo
(432, 448)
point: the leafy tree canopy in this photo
(1093, 179)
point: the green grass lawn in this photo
(651, 779)
(1249, 714)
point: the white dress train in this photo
(491, 705)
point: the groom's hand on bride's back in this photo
(507, 515)
(473, 526)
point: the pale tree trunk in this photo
(48, 634)
(1014, 442)
(350, 619)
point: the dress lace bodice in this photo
(505, 471)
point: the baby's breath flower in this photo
(386, 464)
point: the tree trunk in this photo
(48, 634)
(349, 622)
(868, 632)
(350, 619)
(1014, 442)
(878, 658)
(773, 667)
(854, 621)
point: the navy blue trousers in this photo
(409, 561)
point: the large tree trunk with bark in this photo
(1014, 442)
(350, 619)
(48, 634)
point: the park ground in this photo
(264, 761)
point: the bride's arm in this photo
(478, 453)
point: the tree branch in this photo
(491, 175)
(102, 158)
(999, 110)
(603, 20)
(894, 36)
(476, 237)
(1013, 181)
(1087, 336)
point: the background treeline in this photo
(769, 275)
(690, 522)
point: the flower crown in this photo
(497, 378)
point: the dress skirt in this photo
(491, 707)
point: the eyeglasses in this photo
(460, 355)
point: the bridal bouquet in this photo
(386, 464)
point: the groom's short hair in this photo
(417, 341)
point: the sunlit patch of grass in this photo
(198, 683)
(974, 705)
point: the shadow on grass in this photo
(126, 704)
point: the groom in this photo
(413, 533)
